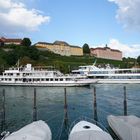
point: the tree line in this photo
(27, 53)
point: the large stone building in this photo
(106, 53)
(7, 41)
(60, 47)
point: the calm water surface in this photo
(50, 105)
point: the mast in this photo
(18, 63)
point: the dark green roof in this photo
(61, 43)
(44, 43)
(58, 43)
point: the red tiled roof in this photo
(10, 40)
(1, 40)
(13, 40)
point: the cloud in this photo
(128, 13)
(127, 50)
(15, 17)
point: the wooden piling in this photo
(95, 106)
(34, 107)
(125, 102)
(65, 107)
(3, 121)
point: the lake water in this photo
(50, 105)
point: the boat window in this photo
(34, 79)
(61, 79)
(42, 79)
(56, 79)
(47, 79)
(38, 79)
(9, 79)
(67, 79)
(18, 74)
(51, 79)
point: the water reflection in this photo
(50, 105)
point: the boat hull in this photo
(43, 84)
(38, 130)
(51, 84)
(125, 127)
(87, 131)
(118, 81)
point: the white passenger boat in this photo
(29, 76)
(125, 127)
(109, 75)
(84, 130)
(35, 131)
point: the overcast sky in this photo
(96, 22)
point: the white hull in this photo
(38, 130)
(125, 127)
(87, 131)
(118, 81)
(42, 84)
(84, 82)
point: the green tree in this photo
(138, 59)
(26, 42)
(86, 49)
(11, 58)
(33, 53)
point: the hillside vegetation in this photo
(9, 55)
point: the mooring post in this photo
(34, 107)
(125, 102)
(65, 107)
(95, 106)
(3, 111)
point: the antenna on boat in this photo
(17, 64)
(95, 62)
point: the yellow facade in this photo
(61, 48)
(76, 50)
